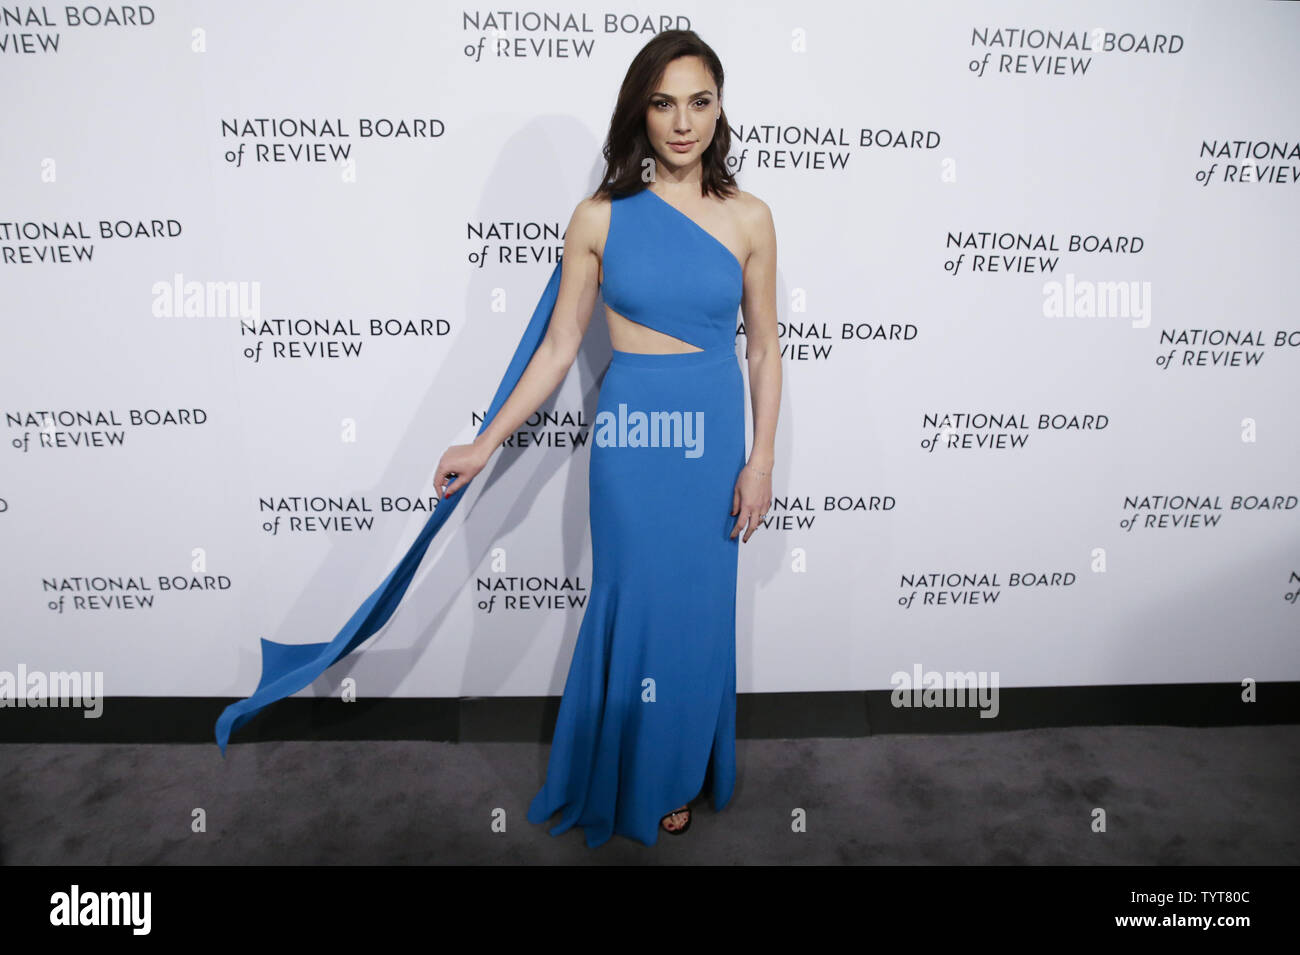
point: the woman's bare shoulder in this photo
(751, 206)
(593, 208)
(589, 223)
(755, 219)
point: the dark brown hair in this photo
(627, 146)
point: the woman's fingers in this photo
(748, 519)
(753, 516)
(749, 514)
(456, 468)
(446, 474)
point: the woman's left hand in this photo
(752, 496)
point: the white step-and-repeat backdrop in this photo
(263, 262)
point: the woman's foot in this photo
(677, 821)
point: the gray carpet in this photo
(1171, 795)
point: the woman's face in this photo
(684, 108)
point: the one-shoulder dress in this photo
(649, 705)
(648, 713)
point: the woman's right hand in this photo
(459, 462)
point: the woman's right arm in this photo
(579, 283)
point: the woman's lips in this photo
(681, 147)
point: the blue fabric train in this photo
(287, 668)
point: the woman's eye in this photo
(702, 103)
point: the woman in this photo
(649, 702)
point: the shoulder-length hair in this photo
(627, 146)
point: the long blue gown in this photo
(650, 699)
(649, 704)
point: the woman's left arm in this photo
(763, 350)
